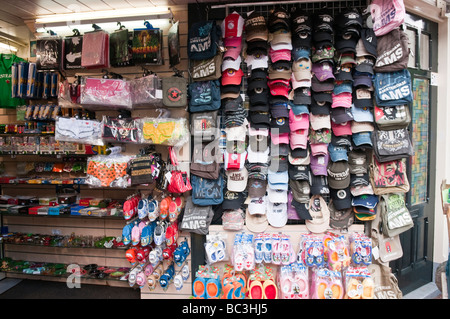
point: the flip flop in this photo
(255, 290)
(368, 289)
(270, 290)
(199, 288)
(212, 288)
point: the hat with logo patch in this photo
(338, 174)
(255, 27)
(341, 114)
(319, 185)
(257, 61)
(300, 190)
(319, 164)
(302, 69)
(278, 20)
(344, 128)
(231, 77)
(257, 187)
(321, 86)
(232, 200)
(337, 153)
(357, 161)
(277, 213)
(277, 195)
(342, 198)
(237, 180)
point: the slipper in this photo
(153, 210)
(286, 288)
(368, 289)
(276, 251)
(228, 291)
(259, 254)
(267, 249)
(270, 290)
(199, 288)
(255, 290)
(173, 211)
(164, 207)
(151, 282)
(321, 289)
(337, 291)
(143, 208)
(212, 288)
(303, 288)
(238, 290)
(352, 289)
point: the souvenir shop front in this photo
(235, 151)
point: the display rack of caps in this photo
(316, 86)
(151, 237)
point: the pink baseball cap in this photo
(233, 42)
(319, 149)
(342, 129)
(232, 52)
(298, 122)
(323, 71)
(232, 77)
(299, 138)
(279, 89)
(278, 55)
(341, 100)
(282, 138)
(299, 84)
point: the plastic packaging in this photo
(78, 131)
(147, 91)
(293, 281)
(164, 131)
(359, 283)
(326, 284)
(108, 171)
(116, 129)
(243, 252)
(216, 248)
(110, 93)
(360, 249)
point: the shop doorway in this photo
(415, 268)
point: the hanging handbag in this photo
(174, 91)
(178, 181)
(388, 177)
(386, 15)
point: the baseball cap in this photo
(320, 107)
(362, 97)
(369, 41)
(318, 149)
(302, 69)
(362, 114)
(338, 174)
(232, 25)
(342, 140)
(300, 190)
(320, 121)
(232, 52)
(279, 163)
(342, 100)
(229, 63)
(298, 122)
(337, 153)
(258, 156)
(276, 195)
(298, 109)
(255, 27)
(368, 201)
(282, 138)
(232, 200)
(319, 164)
(299, 172)
(279, 55)
(256, 223)
(340, 129)
(358, 127)
(362, 139)
(280, 73)
(359, 179)
(340, 218)
(342, 198)
(256, 187)
(277, 213)
(280, 125)
(280, 37)
(357, 161)
(299, 84)
(364, 64)
(299, 160)
(342, 87)
(341, 114)
(320, 215)
(362, 190)
(302, 95)
(232, 77)
(257, 61)
(323, 70)
(362, 80)
(234, 161)
(300, 52)
(257, 47)
(319, 185)
(321, 86)
(278, 19)
(344, 73)
(237, 180)
(302, 209)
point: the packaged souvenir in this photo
(111, 93)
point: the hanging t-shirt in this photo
(6, 100)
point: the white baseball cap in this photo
(277, 215)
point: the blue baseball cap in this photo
(278, 180)
(362, 138)
(300, 53)
(343, 87)
(368, 201)
(362, 114)
(298, 109)
(337, 153)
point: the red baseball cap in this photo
(232, 77)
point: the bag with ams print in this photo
(392, 88)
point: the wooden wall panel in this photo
(88, 225)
